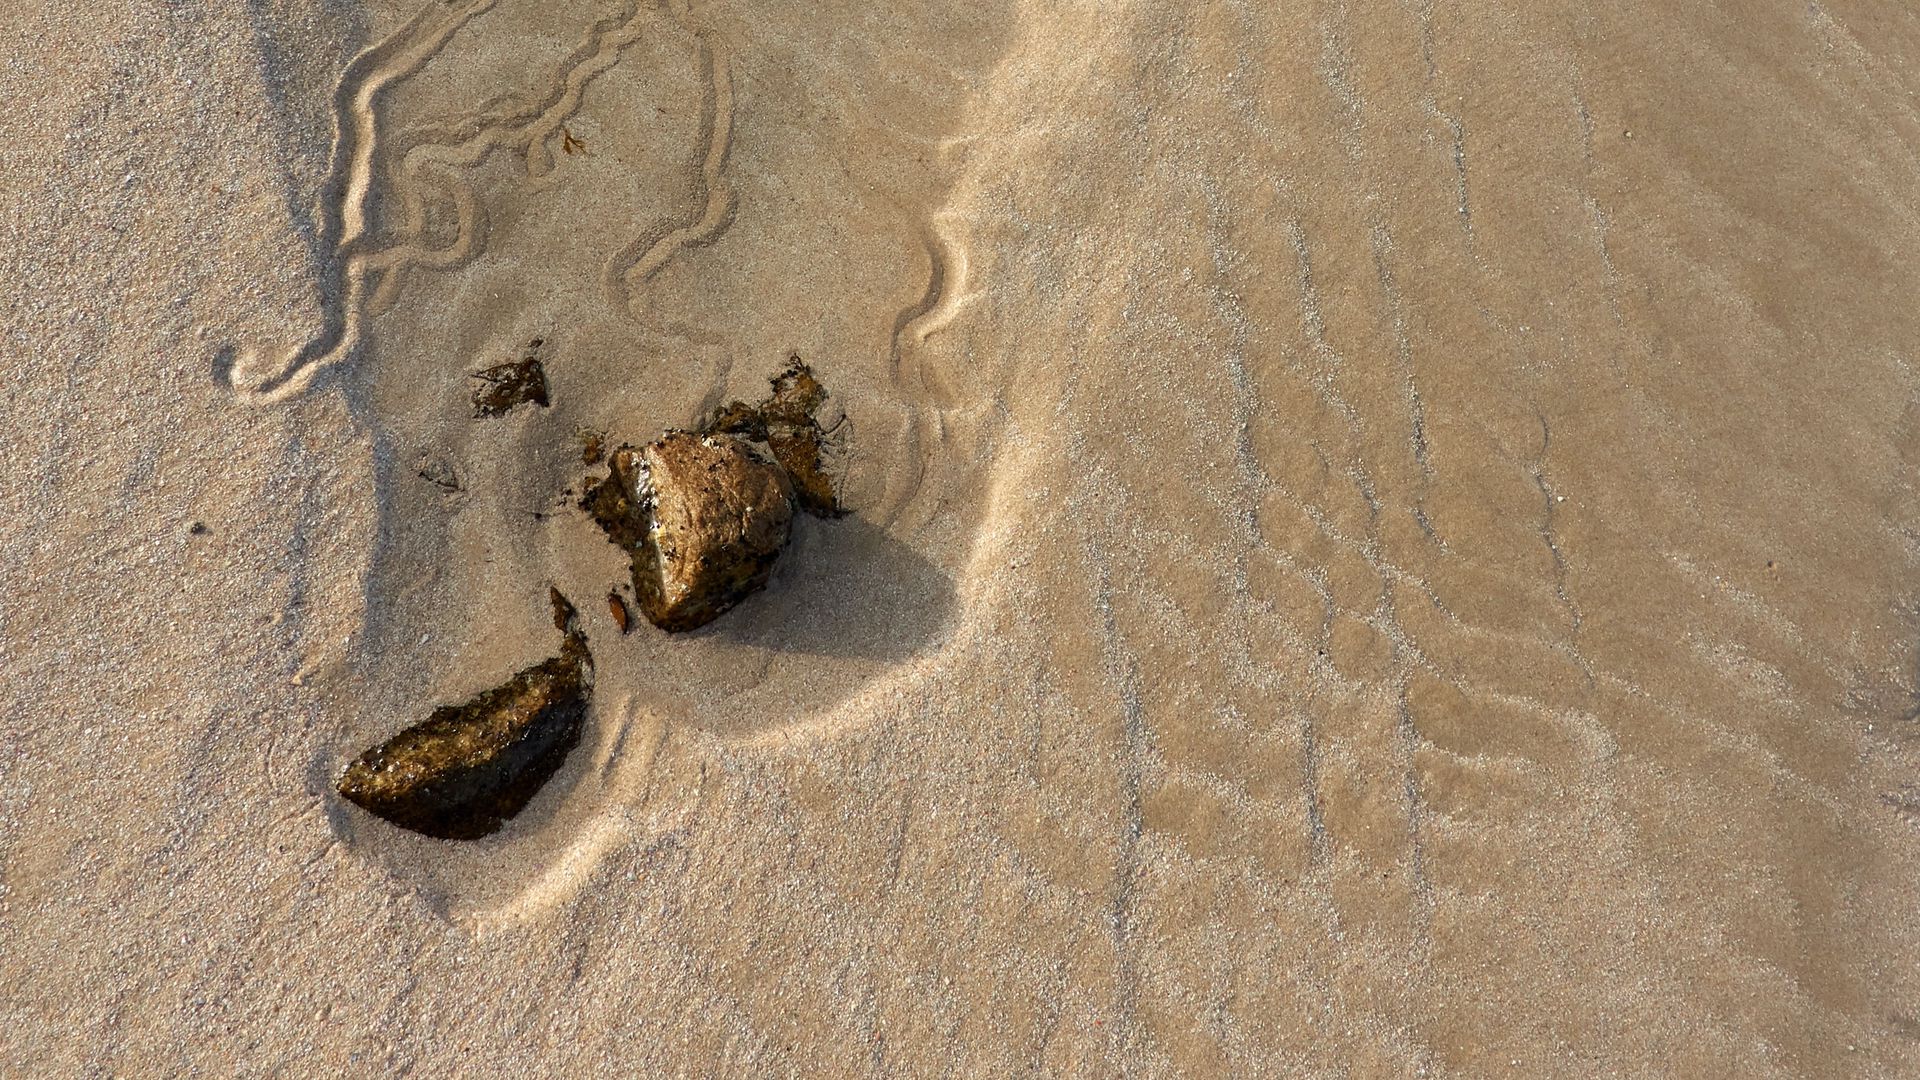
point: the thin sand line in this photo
(635, 264)
(343, 199)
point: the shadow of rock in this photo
(844, 588)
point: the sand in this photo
(1384, 536)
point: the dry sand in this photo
(1385, 536)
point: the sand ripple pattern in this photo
(1443, 600)
(369, 267)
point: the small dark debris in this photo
(440, 474)
(199, 528)
(593, 446)
(503, 386)
(622, 618)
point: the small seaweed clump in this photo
(500, 387)
(704, 515)
(461, 773)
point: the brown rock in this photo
(786, 422)
(703, 518)
(798, 449)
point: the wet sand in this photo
(1383, 538)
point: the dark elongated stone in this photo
(466, 769)
(702, 517)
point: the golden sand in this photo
(1383, 537)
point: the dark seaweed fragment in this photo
(500, 387)
(461, 773)
(593, 446)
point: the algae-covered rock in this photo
(702, 517)
(787, 422)
(466, 769)
(617, 503)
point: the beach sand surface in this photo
(1383, 538)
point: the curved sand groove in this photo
(621, 771)
(526, 132)
(624, 767)
(615, 826)
(469, 238)
(636, 263)
(944, 296)
(954, 291)
(343, 201)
